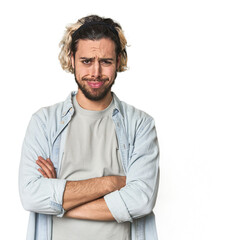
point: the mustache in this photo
(103, 79)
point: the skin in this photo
(93, 62)
(93, 209)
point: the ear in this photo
(72, 59)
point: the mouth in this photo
(95, 84)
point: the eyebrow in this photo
(101, 59)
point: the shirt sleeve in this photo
(38, 194)
(138, 197)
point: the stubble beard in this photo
(99, 94)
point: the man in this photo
(89, 165)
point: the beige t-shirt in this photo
(91, 150)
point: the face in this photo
(95, 65)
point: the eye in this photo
(106, 62)
(86, 61)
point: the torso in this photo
(91, 150)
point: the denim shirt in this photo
(138, 145)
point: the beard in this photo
(96, 94)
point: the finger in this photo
(43, 173)
(49, 161)
(45, 168)
(48, 165)
(53, 169)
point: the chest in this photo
(91, 150)
(124, 148)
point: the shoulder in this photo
(54, 113)
(132, 112)
(47, 113)
(135, 120)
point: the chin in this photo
(95, 97)
(95, 94)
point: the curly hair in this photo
(106, 29)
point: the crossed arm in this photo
(84, 199)
(98, 198)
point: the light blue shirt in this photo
(138, 145)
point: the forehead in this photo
(102, 48)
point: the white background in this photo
(180, 72)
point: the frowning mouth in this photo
(95, 83)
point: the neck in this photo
(93, 105)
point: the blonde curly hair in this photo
(69, 43)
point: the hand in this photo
(47, 168)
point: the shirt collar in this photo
(118, 105)
(68, 105)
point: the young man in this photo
(89, 165)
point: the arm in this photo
(94, 210)
(45, 195)
(79, 192)
(138, 197)
(38, 194)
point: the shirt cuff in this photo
(57, 199)
(117, 207)
(62, 213)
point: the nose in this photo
(96, 70)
